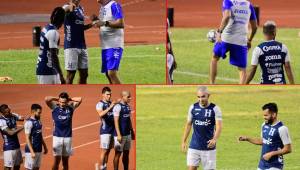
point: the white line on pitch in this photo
(85, 144)
(206, 76)
(76, 128)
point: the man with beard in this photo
(34, 139)
(275, 140)
(62, 108)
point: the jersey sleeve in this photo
(253, 15)
(285, 50)
(3, 124)
(99, 106)
(53, 37)
(27, 127)
(284, 135)
(190, 116)
(116, 110)
(255, 56)
(218, 113)
(116, 11)
(227, 4)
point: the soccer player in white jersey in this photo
(232, 36)
(272, 56)
(111, 23)
(275, 140)
(206, 120)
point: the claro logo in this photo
(202, 123)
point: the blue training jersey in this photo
(108, 125)
(74, 29)
(274, 138)
(33, 128)
(203, 121)
(9, 142)
(62, 119)
(124, 112)
(271, 56)
(49, 39)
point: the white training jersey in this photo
(237, 28)
(111, 37)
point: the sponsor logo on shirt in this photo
(273, 57)
(267, 141)
(202, 123)
(268, 48)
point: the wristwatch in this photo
(106, 23)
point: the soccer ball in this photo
(211, 36)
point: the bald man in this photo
(124, 132)
(206, 119)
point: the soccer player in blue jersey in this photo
(34, 139)
(76, 55)
(104, 108)
(206, 120)
(48, 69)
(272, 56)
(12, 155)
(232, 36)
(275, 140)
(124, 132)
(111, 23)
(62, 108)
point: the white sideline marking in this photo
(206, 76)
(76, 128)
(99, 57)
(85, 144)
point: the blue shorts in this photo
(238, 54)
(111, 59)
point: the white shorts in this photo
(124, 145)
(12, 158)
(31, 163)
(206, 158)
(76, 58)
(270, 169)
(62, 146)
(170, 61)
(48, 79)
(106, 141)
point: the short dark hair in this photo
(35, 107)
(58, 16)
(105, 89)
(269, 28)
(3, 107)
(64, 95)
(271, 106)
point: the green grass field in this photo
(162, 112)
(193, 53)
(141, 64)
